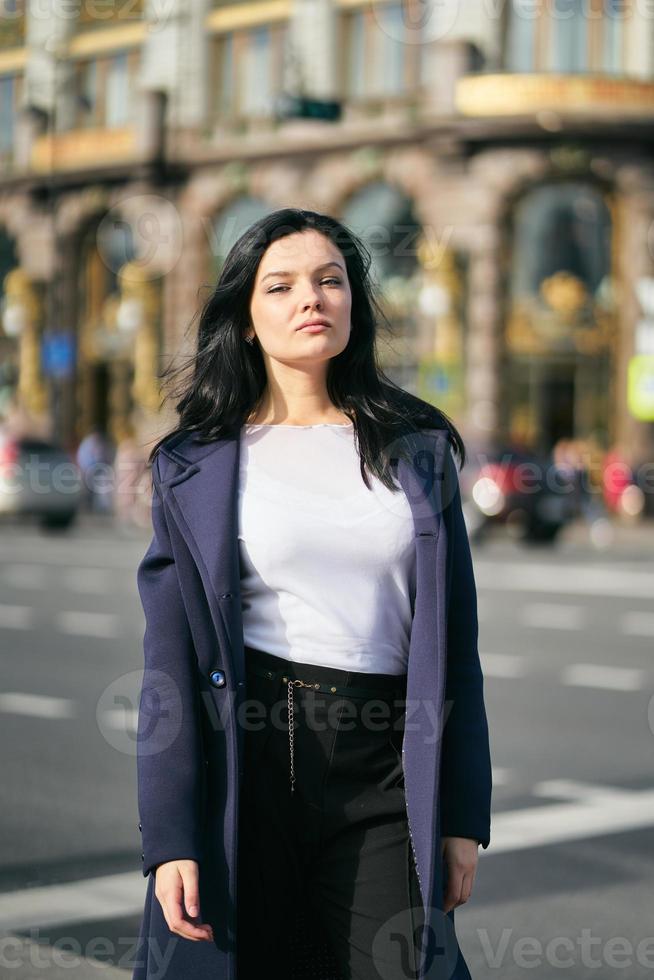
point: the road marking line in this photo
(501, 776)
(25, 576)
(96, 624)
(94, 581)
(22, 956)
(122, 719)
(36, 705)
(502, 664)
(598, 675)
(592, 811)
(79, 901)
(552, 615)
(16, 617)
(564, 579)
(636, 623)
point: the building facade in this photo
(496, 158)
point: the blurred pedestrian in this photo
(95, 455)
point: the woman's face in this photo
(300, 278)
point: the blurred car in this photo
(39, 479)
(528, 493)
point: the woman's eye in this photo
(278, 289)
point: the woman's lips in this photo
(314, 327)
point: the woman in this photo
(309, 562)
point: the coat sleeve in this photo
(465, 787)
(169, 742)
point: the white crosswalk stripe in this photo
(598, 675)
(589, 811)
(16, 617)
(502, 665)
(103, 625)
(36, 705)
(552, 616)
(637, 623)
(567, 579)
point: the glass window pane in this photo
(226, 76)
(88, 92)
(257, 95)
(521, 38)
(616, 11)
(391, 49)
(356, 54)
(117, 96)
(6, 113)
(569, 33)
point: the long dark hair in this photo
(228, 376)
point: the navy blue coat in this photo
(190, 747)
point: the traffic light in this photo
(303, 107)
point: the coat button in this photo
(217, 678)
(142, 857)
(140, 826)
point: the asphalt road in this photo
(567, 647)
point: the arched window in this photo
(229, 225)
(383, 217)
(562, 227)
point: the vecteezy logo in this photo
(140, 717)
(398, 950)
(416, 23)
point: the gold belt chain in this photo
(291, 722)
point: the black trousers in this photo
(336, 847)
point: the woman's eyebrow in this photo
(318, 268)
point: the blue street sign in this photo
(57, 354)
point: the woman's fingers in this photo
(177, 889)
(191, 891)
(461, 862)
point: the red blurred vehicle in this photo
(528, 493)
(621, 492)
(38, 479)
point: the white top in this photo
(327, 566)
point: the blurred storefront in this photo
(498, 169)
(561, 321)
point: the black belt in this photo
(386, 693)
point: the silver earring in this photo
(250, 340)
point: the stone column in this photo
(483, 343)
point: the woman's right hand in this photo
(177, 889)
